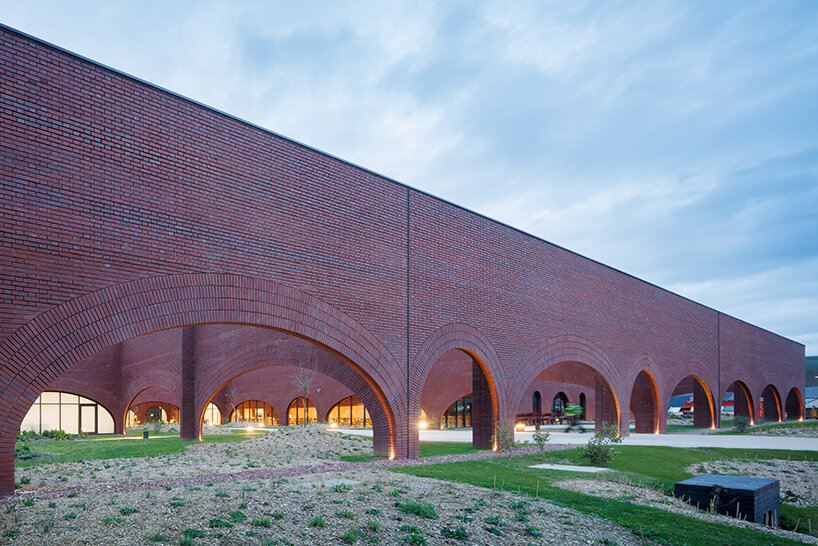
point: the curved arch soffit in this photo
(777, 396)
(65, 335)
(654, 393)
(131, 401)
(569, 349)
(466, 338)
(747, 393)
(711, 400)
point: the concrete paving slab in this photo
(572, 468)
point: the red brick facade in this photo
(127, 210)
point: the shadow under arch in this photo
(63, 336)
(795, 405)
(644, 403)
(567, 354)
(743, 405)
(773, 409)
(489, 405)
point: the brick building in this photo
(153, 247)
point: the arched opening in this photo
(794, 405)
(536, 402)
(349, 412)
(571, 381)
(125, 311)
(558, 404)
(583, 402)
(458, 414)
(68, 412)
(212, 415)
(769, 405)
(301, 411)
(459, 374)
(738, 402)
(692, 401)
(645, 403)
(255, 411)
(152, 412)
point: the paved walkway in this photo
(672, 440)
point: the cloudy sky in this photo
(675, 141)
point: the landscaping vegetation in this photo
(46, 452)
(657, 467)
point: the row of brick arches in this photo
(214, 329)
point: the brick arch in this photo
(466, 338)
(743, 403)
(773, 408)
(573, 349)
(644, 403)
(274, 354)
(794, 405)
(163, 395)
(59, 338)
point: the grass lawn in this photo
(807, 425)
(427, 449)
(81, 450)
(649, 465)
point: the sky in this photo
(676, 141)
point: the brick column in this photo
(605, 406)
(189, 427)
(702, 417)
(482, 415)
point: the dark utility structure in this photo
(753, 499)
(128, 211)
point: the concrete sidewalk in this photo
(671, 440)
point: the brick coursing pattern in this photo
(128, 210)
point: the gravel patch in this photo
(302, 510)
(799, 479)
(278, 448)
(658, 499)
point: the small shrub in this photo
(28, 502)
(216, 523)
(601, 449)
(341, 488)
(504, 436)
(347, 514)
(541, 441)
(459, 533)
(112, 521)
(374, 526)
(193, 533)
(262, 522)
(424, 510)
(70, 515)
(128, 511)
(237, 517)
(373, 511)
(741, 423)
(352, 535)
(11, 533)
(414, 536)
(25, 480)
(158, 538)
(318, 521)
(277, 515)
(533, 531)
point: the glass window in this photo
(296, 414)
(151, 412)
(61, 411)
(212, 415)
(350, 412)
(458, 413)
(254, 411)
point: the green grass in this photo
(650, 465)
(808, 425)
(81, 450)
(427, 449)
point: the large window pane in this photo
(32, 419)
(50, 398)
(88, 418)
(105, 423)
(50, 419)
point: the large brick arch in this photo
(743, 402)
(272, 354)
(572, 349)
(773, 408)
(794, 406)
(54, 341)
(470, 340)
